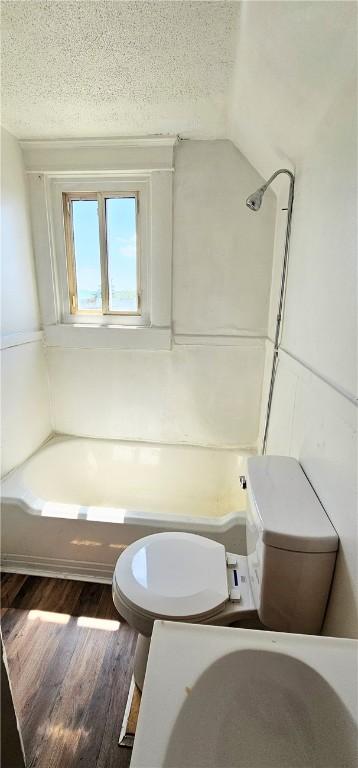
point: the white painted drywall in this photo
(192, 394)
(25, 416)
(304, 112)
(321, 302)
(292, 58)
(314, 416)
(19, 307)
(222, 259)
(24, 397)
(315, 423)
(207, 389)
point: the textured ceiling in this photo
(103, 68)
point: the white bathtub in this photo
(73, 505)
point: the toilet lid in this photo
(173, 575)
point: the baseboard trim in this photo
(55, 568)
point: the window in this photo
(101, 214)
(102, 253)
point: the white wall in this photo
(207, 389)
(24, 396)
(292, 58)
(222, 259)
(320, 321)
(193, 394)
(314, 414)
(315, 423)
(19, 307)
(307, 116)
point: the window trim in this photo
(65, 167)
(80, 186)
(101, 197)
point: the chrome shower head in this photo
(254, 201)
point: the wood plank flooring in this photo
(70, 669)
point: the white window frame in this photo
(68, 198)
(77, 186)
(145, 164)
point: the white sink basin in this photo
(216, 697)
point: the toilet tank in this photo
(291, 546)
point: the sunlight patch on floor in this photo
(92, 623)
(50, 616)
(88, 622)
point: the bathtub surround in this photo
(25, 412)
(198, 394)
(25, 418)
(310, 115)
(206, 389)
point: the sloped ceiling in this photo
(293, 60)
(260, 73)
(103, 68)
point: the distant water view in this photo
(120, 301)
(121, 254)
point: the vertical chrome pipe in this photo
(281, 300)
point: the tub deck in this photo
(77, 502)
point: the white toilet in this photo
(284, 579)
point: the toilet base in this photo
(140, 660)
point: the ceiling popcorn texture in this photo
(103, 68)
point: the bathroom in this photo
(152, 417)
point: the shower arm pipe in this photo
(281, 295)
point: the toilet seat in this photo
(173, 575)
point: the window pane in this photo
(122, 254)
(87, 254)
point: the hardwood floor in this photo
(70, 669)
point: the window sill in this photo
(78, 336)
